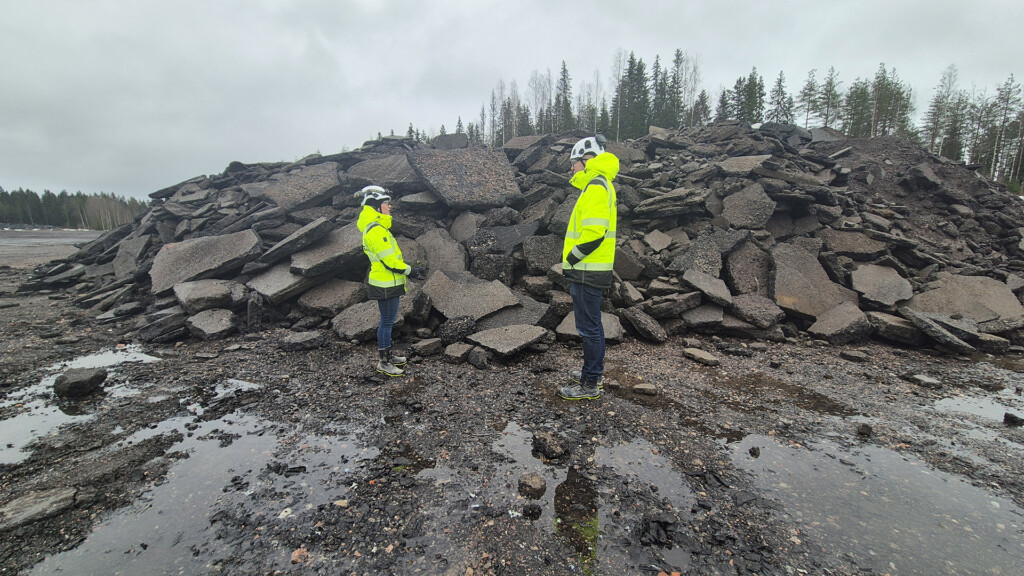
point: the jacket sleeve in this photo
(595, 220)
(384, 246)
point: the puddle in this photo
(516, 444)
(37, 415)
(640, 462)
(313, 470)
(231, 387)
(887, 512)
(577, 519)
(239, 464)
(411, 462)
(106, 359)
(37, 420)
(989, 408)
(223, 390)
(580, 510)
(163, 531)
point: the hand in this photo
(418, 272)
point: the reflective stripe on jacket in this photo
(588, 254)
(386, 278)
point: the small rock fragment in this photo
(532, 485)
(698, 355)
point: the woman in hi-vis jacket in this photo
(386, 279)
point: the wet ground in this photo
(235, 457)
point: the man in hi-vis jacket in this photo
(588, 256)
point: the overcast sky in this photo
(131, 96)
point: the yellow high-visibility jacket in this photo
(387, 269)
(588, 254)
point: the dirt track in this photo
(235, 457)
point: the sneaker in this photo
(578, 392)
(386, 364)
(389, 369)
(397, 360)
(577, 374)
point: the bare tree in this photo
(618, 68)
(495, 111)
(541, 88)
(938, 109)
(1007, 103)
(686, 73)
(513, 104)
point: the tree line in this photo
(969, 125)
(93, 211)
(977, 127)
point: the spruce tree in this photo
(700, 113)
(604, 121)
(780, 103)
(739, 90)
(563, 101)
(676, 107)
(661, 107)
(724, 110)
(954, 126)
(753, 98)
(481, 128)
(631, 107)
(857, 110)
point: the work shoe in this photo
(583, 390)
(385, 365)
(576, 375)
(395, 359)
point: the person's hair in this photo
(376, 203)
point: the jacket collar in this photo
(369, 215)
(604, 164)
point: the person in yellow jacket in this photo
(588, 256)
(386, 278)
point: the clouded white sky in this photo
(131, 96)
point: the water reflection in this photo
(583, 510)
(163, 532)
(989, 408)
(886, 511)
(238, 466)
(34, 412)
(576, 518)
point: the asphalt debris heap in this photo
(762, 233)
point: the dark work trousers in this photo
(586, 307)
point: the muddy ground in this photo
(235, 457)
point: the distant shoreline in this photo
(30, 247)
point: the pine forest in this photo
(979, 127)
(90, 211)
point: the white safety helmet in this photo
(592, 145)
(373, 194)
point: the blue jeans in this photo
(586, 308)
(388, 316)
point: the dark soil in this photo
(335, 469)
